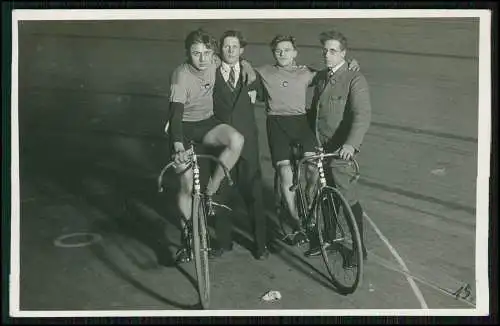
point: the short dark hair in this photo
(282, 38)
(333, 35)
(233, 33)
(200, 36)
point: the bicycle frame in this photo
(193, 165)
(307, 215)
(199, 233)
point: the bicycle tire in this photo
(200, 251)
(332, 217)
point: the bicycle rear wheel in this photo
(200, 251)
(340, 240)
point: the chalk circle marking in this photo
(88, 239)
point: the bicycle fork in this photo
(197, 192)
(188, 231)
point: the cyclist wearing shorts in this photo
(192, 119)
(283, 87)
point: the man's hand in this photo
(354, 65)
(347, 152)
(247, 72)
(180, 156)
(216, 60)
(253, 96)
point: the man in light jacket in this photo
(340, 116)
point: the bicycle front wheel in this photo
(339, 240)
(200, 251)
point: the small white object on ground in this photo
(271, 296)
(439, 172)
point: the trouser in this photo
(248, 182)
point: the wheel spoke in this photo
(201, 252)
(341, 255)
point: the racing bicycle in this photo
(198, 232)
(327, 219)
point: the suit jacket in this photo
(341, 109)
(236, 109)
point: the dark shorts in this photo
(282, 131)
(196, 130)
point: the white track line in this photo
(385, 263)
(410, 280)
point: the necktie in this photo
(330, 73)
(232, 78)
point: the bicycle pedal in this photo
(222, 206)
(209, 204)
(303, 242)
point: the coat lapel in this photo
(327, 83)
(238, 90)
(225, 87)
(322, 81)
(231, 96)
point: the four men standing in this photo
(338, 120)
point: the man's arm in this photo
(178, 97)
(353, 64)
(247, 72)
(180, 155)
(359, 101)
(258, 87)
(217, 60)
(176, 122)
(313, 78)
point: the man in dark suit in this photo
(234, 105)
(340, 115)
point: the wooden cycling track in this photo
(418, 187)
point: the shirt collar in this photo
(227, 68)
(336, 68)
(293, 67)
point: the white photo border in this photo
(484, 148)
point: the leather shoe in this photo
(296, 238)
(350, 262)
(218, 252)
(183, 255)
(262, 254)
(316, 250)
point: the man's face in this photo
(332, 53)
(231, 50)
(200, 56)
(285, 53)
